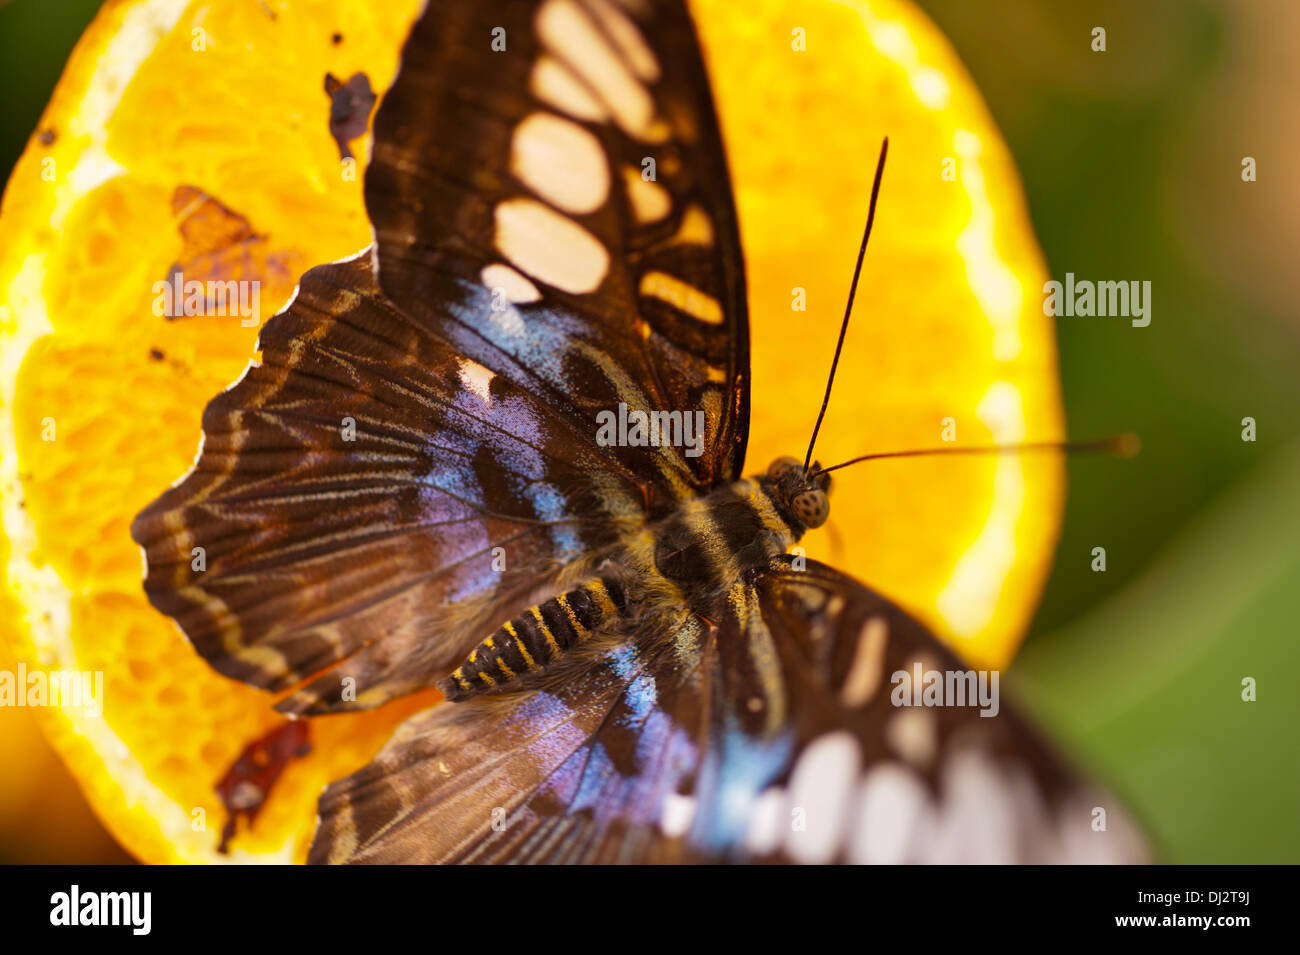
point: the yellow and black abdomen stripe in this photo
(537, 637)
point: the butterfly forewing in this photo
(418, 451)
(362, 492)
(561, 161)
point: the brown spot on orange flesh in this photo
(247, 784)
(350, 106)
(219, 245)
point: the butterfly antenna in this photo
(1123, 445)
(848, 309)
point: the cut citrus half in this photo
(160, 101)
(948, 344)
(196, 135)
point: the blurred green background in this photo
(1131, 161)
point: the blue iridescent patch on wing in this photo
(736, 769)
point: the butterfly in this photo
(411, 489)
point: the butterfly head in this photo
(801, 495)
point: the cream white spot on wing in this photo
(627, 36)
(696, 228)
(550, 247)
(767, 817)
(891, 808)
(650, 201)
(561, 162)
(977, 821)
(568, 32)
(912, 734)
(824, 613)
(867, 669)
(1039, 842)
(554, 84)
(822, 786)
(1121, 842)
(682, 296)
(678, 814)
(511, 284)
(476, 378)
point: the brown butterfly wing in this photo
(574, 774)
(585, 158)
(348, 497)
(771, 738)
(934, 784)
(416, 456)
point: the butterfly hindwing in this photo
(769, 737)
(418, 451)
(577, 772)
(893, 782)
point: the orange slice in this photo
(101, 397)
(169, 110)
(948, 337)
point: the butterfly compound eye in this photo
(811, 508)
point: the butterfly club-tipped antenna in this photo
(1121, 445)
(848, 308)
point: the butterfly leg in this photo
(537, 637)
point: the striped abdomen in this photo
(536, 637)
